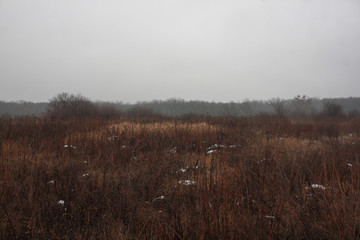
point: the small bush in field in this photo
(66, 106)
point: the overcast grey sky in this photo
(223, 50)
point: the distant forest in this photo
(299, 105)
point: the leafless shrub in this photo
(302, 106)
(68, 106)
(279, 106)
(332, 109)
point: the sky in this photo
(211, 50)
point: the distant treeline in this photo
(299, 105)
(22, 108)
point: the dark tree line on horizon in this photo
(77, 105)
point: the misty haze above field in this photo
(206, 50)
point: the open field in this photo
(206, 178)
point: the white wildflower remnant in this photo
(215, 146)
(261, 161)
(211, 151)
(187, 182)
(271, 217)
(183, 170)
(85, 174)
(316, 186)
(51, 182)
(69, 146)
(158, 198)
(61, 202)
(173, 150)
(349, 165)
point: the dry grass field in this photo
(206, 178)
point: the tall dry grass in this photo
(218, 178)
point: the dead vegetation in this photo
(216, 178)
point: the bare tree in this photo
(246, 109)
(302, 105)
(65, 106)
(279, 106)
(332, 109)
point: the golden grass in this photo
(161, 126)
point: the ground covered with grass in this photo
(201, 178)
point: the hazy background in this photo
(209, 50)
